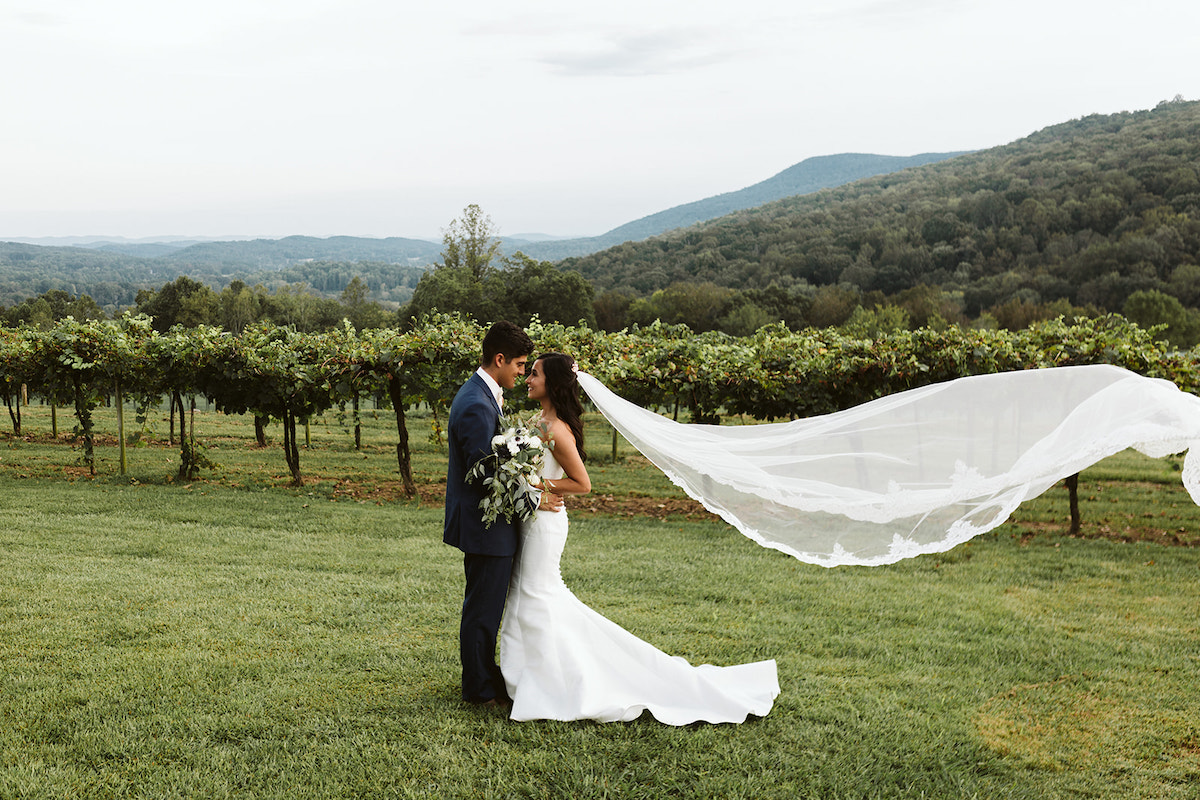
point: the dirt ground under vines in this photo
(603, 504)
(433, 495)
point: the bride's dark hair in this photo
(563, 389)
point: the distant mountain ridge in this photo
(810, 175)
(179, 255)
(114, 269)
(290, 250)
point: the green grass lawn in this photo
(232, 637)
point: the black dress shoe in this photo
(499, 704)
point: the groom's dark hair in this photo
(508, 340)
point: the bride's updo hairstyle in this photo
(563, 390)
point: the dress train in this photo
(562, 660)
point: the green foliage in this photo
(522, 290)
(240, 306)
(876, 322)
(81, 363)
(1153, 309)
(193, 458)
(107, 282)
(1087, 213)
(289, 375)
(18, 370)
(184, 301)
(359, 310)
(291, 252)
(700, 306)
(810, 175)
(539, 289)
(44, 311)
(456, 289)
(111, 279)
(470, 243)
(388, 283)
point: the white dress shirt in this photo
(497, 392)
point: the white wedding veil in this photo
(915, 472)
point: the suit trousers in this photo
(483, 608)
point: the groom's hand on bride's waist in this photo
(550, 502)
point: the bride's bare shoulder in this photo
(560, 431)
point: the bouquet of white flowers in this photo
(511, 473)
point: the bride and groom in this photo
(916, 472)
(559, 659)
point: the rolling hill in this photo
(1086, 212)
(810, 175)
(112, 272)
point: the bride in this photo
(560, 659)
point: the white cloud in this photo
(632, 54)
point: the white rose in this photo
(513, 449)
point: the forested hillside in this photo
(113, 274)
(113, 279)
(1081, 214)
(28, 270)
(810, 175)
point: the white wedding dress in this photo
(561, 660)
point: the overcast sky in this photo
(143, 118)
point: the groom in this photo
(488, 550)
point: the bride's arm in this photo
(575, 478)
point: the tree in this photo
(449, 289)
(539, 288)
(876, 322)
(43, 311)
(82, 362)
(294, 305)
(187, 362)
(1185, 284)
(183, 302)
(362, 312)
(240, 306)
(832, 306)
(17, 370)
(424, 364)
(465, 281)
(275, 372)
(697, 305)
(1150, 308)
(744, 318)
(612, 309)
(471, 242)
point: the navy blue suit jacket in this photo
(474, 420)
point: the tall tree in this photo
(471, 242)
